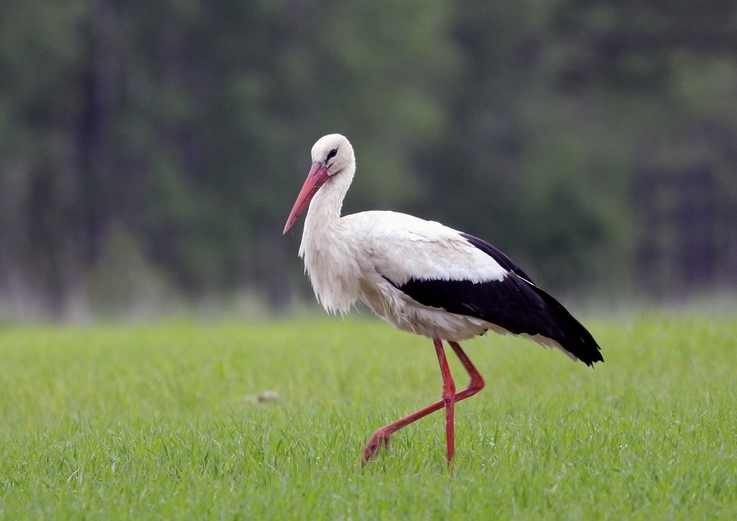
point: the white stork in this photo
(421, 277)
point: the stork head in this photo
(331, 155)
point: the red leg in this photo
(449, 393)
(476, 383)
(382, 435)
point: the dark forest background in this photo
(151, 151)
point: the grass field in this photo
(161, 422)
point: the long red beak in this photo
(315, 179)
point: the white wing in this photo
(402, 247)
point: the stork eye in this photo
(331, 154)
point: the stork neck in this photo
(324, 211)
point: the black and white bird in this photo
(421, 277)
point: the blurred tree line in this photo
(155, 148)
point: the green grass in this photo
(158, 421)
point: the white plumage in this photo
(419, 276)
(350, 258)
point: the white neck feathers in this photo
(327, 246)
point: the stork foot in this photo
(379, 438)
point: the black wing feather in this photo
(513, 303)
